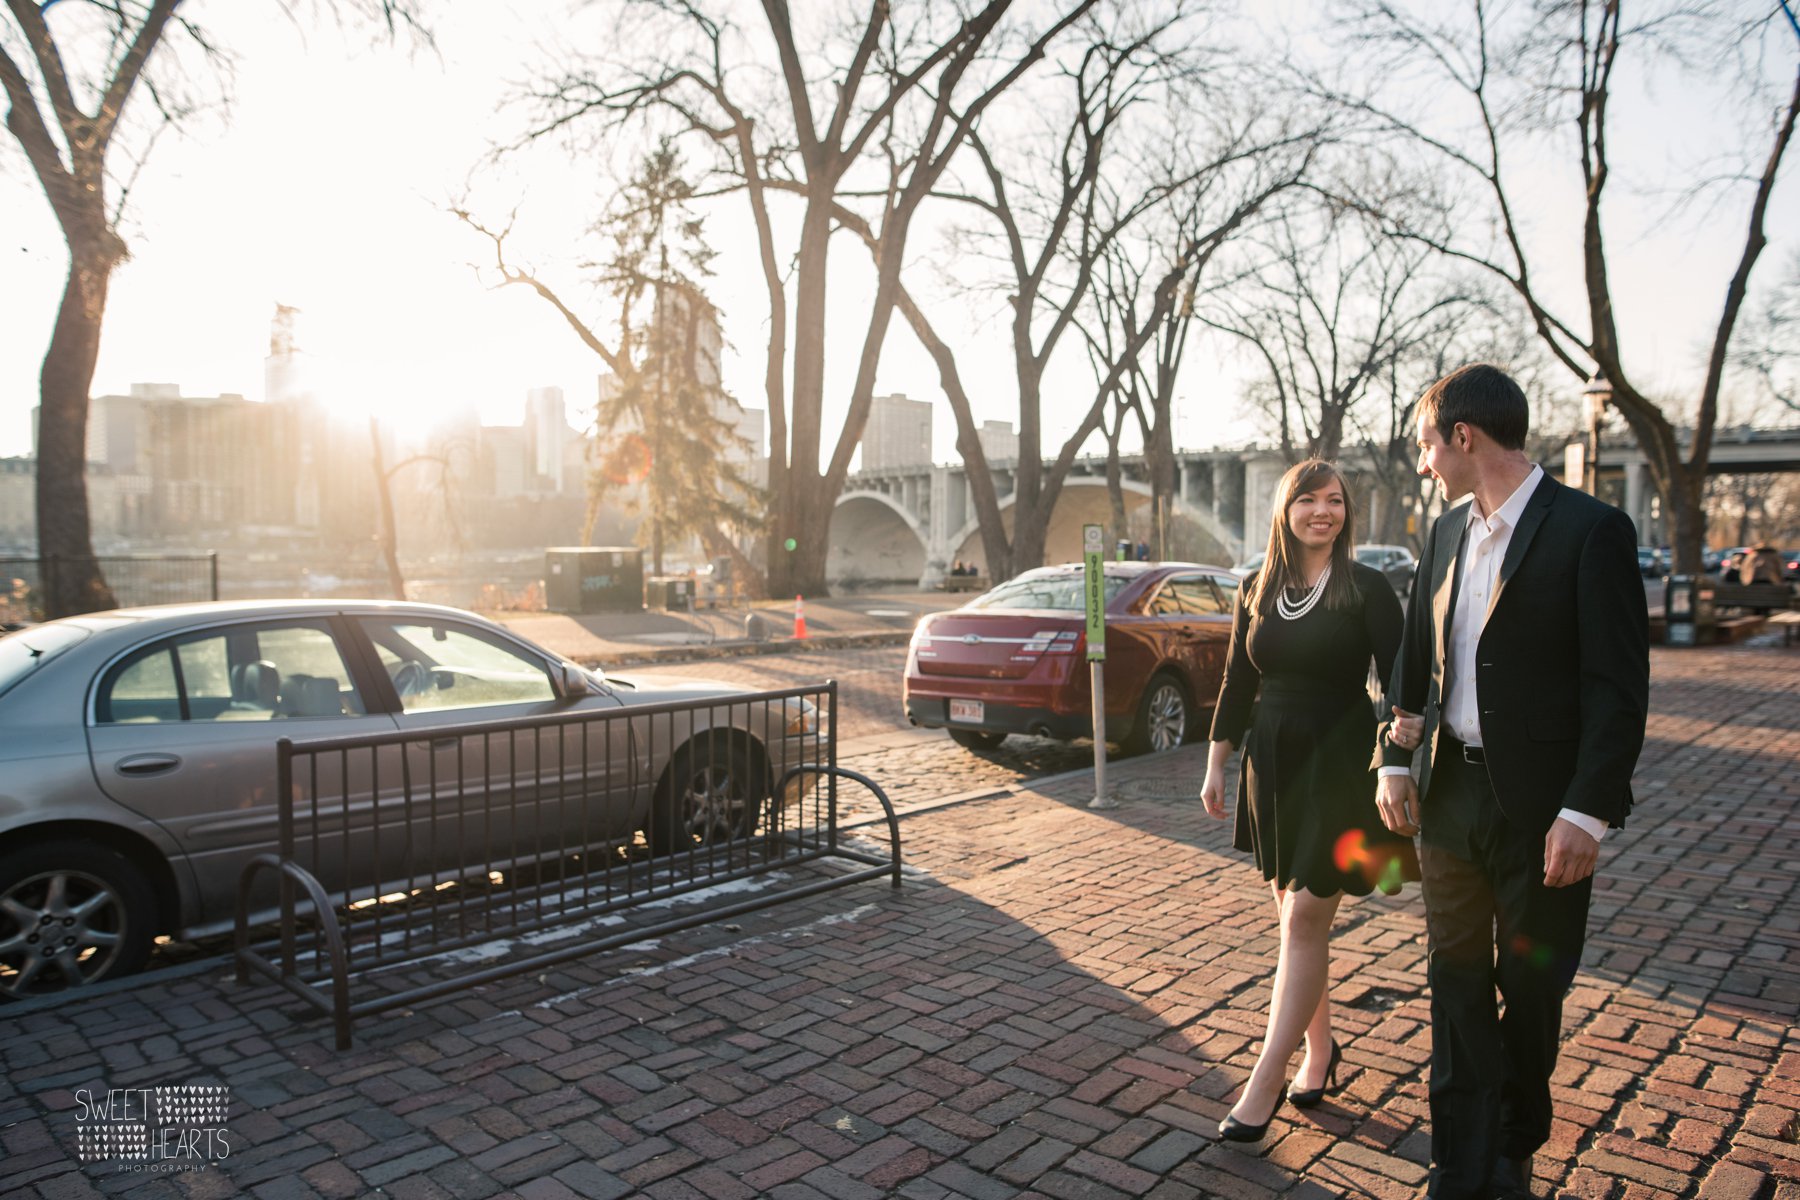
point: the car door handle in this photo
(147, 764)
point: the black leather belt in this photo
(1473, 755)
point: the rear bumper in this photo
(931, 712)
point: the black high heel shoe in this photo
(1234, 1130)
(1311, 1096)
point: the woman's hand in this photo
(1407, 730)
(1212, 792)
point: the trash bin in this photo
(594, 579)
(1687, 608)
(673, 593)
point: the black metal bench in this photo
(1757, 597)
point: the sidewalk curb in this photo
(744, 649)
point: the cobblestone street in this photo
(1058, 1002)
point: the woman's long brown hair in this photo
(1282, 563)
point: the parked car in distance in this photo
(1396, 562)
(1650, 562)
(138, 754)
(1014, 659)
(1790, 565)
(1250, 566)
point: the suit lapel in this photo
(1535, 510)
(1445, 575)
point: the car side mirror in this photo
(570, 682)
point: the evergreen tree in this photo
(666, 442)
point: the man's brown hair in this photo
(1482, 396)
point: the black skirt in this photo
(1306, 795)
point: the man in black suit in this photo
(1526, 653)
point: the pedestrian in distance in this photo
(1526, 663)
(1304, 632)
(1761, 565)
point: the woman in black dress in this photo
(1305, 631)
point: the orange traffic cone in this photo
(799, 617)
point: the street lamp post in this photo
(1597, 393)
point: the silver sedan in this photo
(137, 755)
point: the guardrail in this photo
(485, 841)
(135, 579)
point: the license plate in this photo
(968, 710)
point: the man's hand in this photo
(1397, 797)
(1569, 854)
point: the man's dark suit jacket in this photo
(1562, 665)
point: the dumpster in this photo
(1687, 610)
(672, 593)
(594, 579)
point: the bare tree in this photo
(1332, 305)
(1051, 209)
(87, 99)
(387, 528)
(1557, 69)
(912, 82)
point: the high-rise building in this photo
(547, 432)
(898, 433)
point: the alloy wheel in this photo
(58, 929)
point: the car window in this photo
(25, 651)
(1061, 590)
(1165, 603)
(1228, 590)
(1198, 597)
(233, 673)
(444, 665)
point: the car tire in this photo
(711, 795)
(94, 917)
(976, 739)
(1164, 716)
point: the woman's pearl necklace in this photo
(1291, 611)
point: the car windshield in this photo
(1051, 590)
(23, 652)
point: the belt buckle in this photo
(1474, 755)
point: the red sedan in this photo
(1014, 660)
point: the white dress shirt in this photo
(1483, 550)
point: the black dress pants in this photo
(1491, 922)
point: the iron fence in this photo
(518, 844)
(135, 579)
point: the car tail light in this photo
(1050, 641)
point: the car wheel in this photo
(976, 739)
(71, 913)
(1162, 717)
(710, 797)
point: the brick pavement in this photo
(1059, 1003)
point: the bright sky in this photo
(326, 191)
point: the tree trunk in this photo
(70, 575)
(387, 535)
(795, 512)
(1687, 508)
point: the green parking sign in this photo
(1093, 552)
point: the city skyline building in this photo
(999, 440)
(898, 433)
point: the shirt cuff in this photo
(1594, 827)
(1386, 771)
